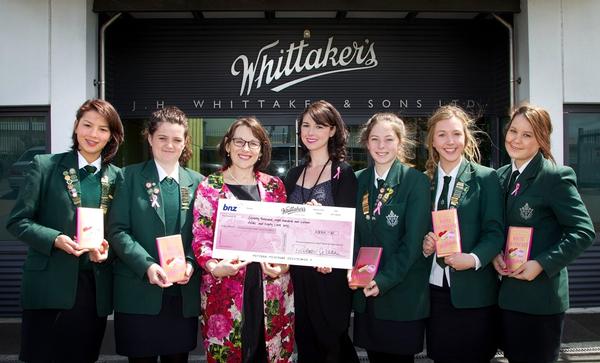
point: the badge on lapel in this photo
(392, 219)
(526, 211)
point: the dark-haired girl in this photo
(154, 317)
(322, 297)
(66, 290)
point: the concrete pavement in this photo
(581, 341)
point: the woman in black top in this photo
(322, 296)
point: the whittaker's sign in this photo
(270, 70)
(298, 59)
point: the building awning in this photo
(310, 8)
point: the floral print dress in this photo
(222, 298)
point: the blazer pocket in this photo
(36, 262)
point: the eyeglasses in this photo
(239, 142)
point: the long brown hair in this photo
(407, 143)
(540, 122)
(117, 135)
(323, 113)
(172, 115)
(471, 151)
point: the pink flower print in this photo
(219, 326)
(203, 206)
(234, 289)
(274, 292)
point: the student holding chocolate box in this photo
(67, 290)
(542, 195)
(392, 212)
(154, 316)
(463, 285)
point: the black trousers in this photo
(65, 336)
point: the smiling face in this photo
(246, 156)
(520, 142)
(315, 136)
(383, 144)
(93, 133)
(449, 142)
(167, 143)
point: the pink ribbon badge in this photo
(517, 187)
(377, 209)
(154, 200)
(337, 174)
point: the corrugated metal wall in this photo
(12, 256)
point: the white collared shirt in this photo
(436, 277)
(163, 174)
(384, 176)
(521, 169)
(81, 162)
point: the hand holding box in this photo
(172, 257)
(366, 266)
(90, 228)
(447, 232)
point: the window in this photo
(22, 136)
(582, 153)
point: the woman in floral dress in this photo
(247, 308)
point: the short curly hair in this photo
(172, 115)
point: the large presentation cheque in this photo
(294, 234)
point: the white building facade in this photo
(49, 64)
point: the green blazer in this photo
(44, 210)
(403, 273)
(548, 201)
(480, 217)
(134, 225)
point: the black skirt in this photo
(322, 304)
(531, 338)
(254, 347)
(460, 335)
(388, 336)
(169, 332)
(74, 335)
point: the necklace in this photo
(313, 187)
(235, 179)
